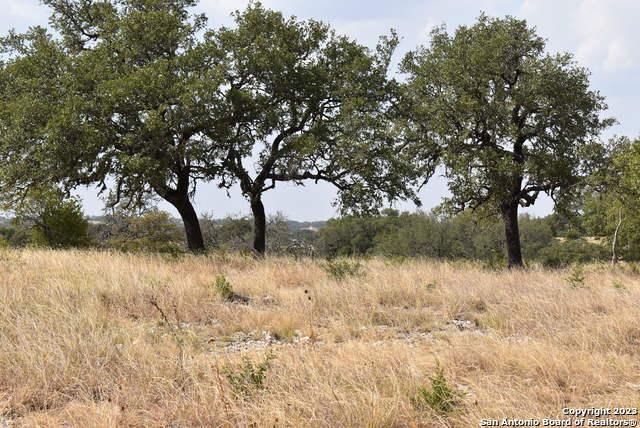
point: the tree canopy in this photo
(308, 104)
(131, 96)
(608, 206)
(510, 120)
(118, 102)
(142, 98)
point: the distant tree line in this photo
(552, 241)
(49, 219)
(143, 100)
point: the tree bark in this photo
(512, 236)
(195, 242)
(614, 244)
(259, 225)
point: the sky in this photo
(601, 34)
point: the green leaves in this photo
(311, 105)
(53, 220)
(509, 121)
(138, 93)
(116, 99)
(608, 205)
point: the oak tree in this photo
(511, 121)
(113, 101)
(307, 105)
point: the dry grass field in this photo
(90, 339)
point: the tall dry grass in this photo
(96, 339)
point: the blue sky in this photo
(601, 33)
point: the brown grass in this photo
(93, 339)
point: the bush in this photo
(348, 236)
(576, 277)
(229, 234)
(15, 237)
(64, 227)
(566, 252)
(51, 220)
(464, 236)
(440, 398)
(342, 269)
(250, 376)
(223, 287)
(235, 234)
(154, 231)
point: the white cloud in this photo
(608, 33)
(602, 34)
(366, 31)
(22, 9)
(21, 14)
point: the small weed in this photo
(432, 285)
(250, 376)
(223, 287)
(619, 286)
(342, 269)
(576, 277)
(225, 290)
(440, 398)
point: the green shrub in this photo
(576, 278)
(564, 253)
(223, 287)
(50, 219)
(342, 269)
(440, 397)
(464, 236)
(494, 260)
(572, 234)
(14, 236)
(154, 231)
(250, 376)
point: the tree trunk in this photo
(512, 235)
(195, 242)
(614, 244)
(260, 225)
